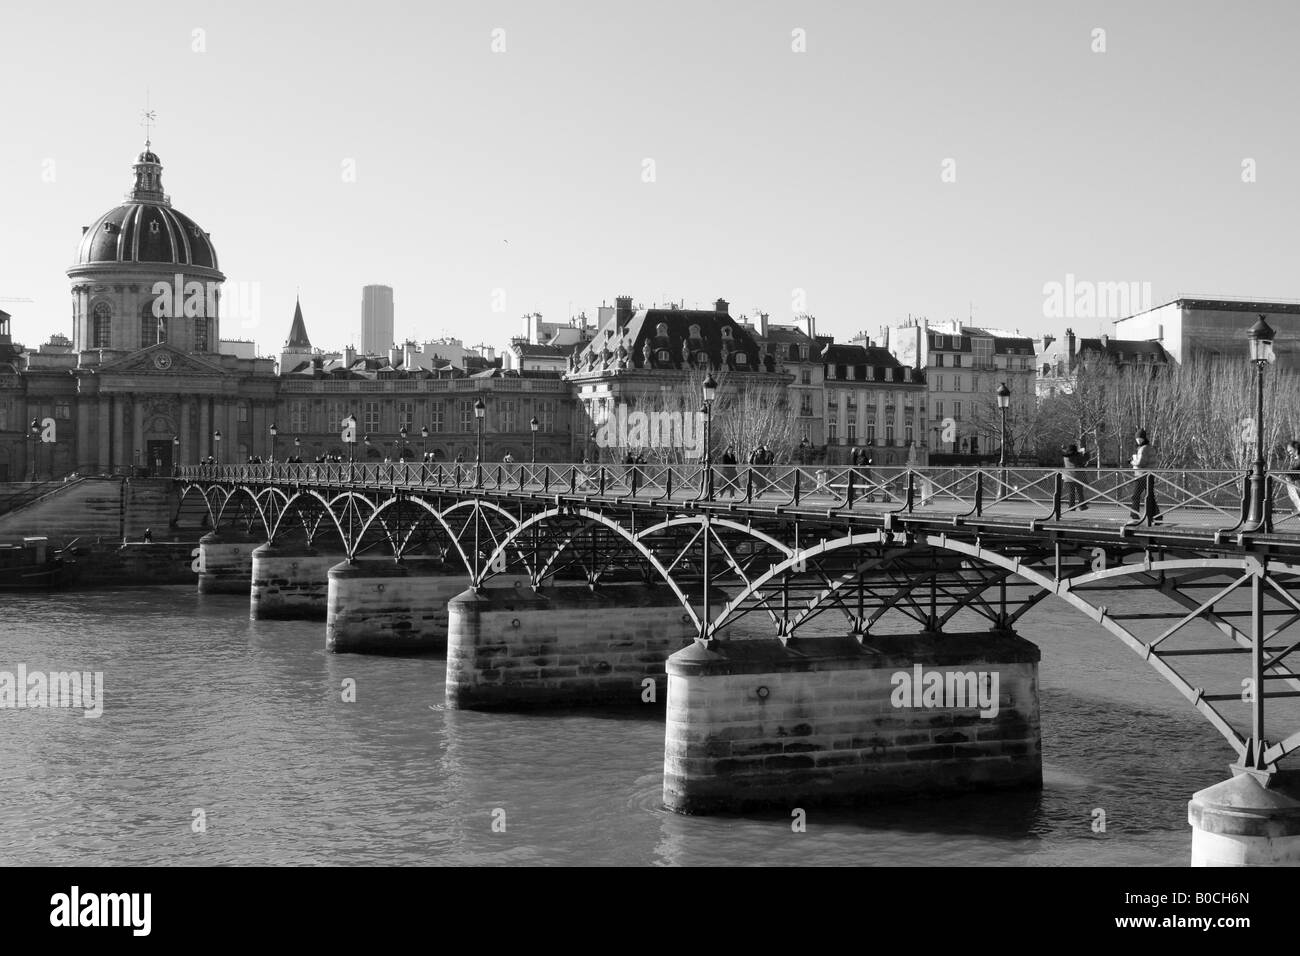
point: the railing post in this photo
(1150, 504)
(911, 490)
(1059, 484)
(602, 479)
(749, 485)
(797, 475)
(849, 490)
(979, 492)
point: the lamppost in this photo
(710, 390)
(35, 428)
(297, 446)
(274, 431)
(176, 453)
(480, 413)
(532, 427)
(1260, 338)
(1004, 401)
(400, 442)
(424, 440)
(216, 444)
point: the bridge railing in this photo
(1196, 496)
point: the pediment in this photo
(163, 360)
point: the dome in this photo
(146, 229)
(147, 233)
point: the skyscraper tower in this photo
(376, 318)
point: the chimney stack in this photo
(762, 324)
(622, 311)
(349, 356)
(721, 306)
(1069, 346)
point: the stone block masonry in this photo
(514, 648)
(825, 720)
(226, 562)
(290, 581)
(385, 607)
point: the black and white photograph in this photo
(692, 434)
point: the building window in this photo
(466, 416)
(805, 376)
(832, 431)
(889, 434)
(201, 334)
(853, 432)
(938, 360)
(405, 415)
(63, 411)
(956, 383)
(805, 432)
(435, 416)
(370, 421)
(938, 383)
(297, 417)
(938, 409)
(909, 434)
(805, 404)
(101, 326)
(956, 410)
(546, 416)
(871, 431)
(506, 421)
(956, 360)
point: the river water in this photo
(244, 721)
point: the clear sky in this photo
(774, 170)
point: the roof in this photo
(1224, 305)
(298, 331)
(671, 339)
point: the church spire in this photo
(298, 331)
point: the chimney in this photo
(409, 360)
(1047, 341)
(1069, 346)
(808, 323)
(622, 311)
(721, 306)
(1105, 340)
(394, 356)
(349, 356)
(762, 324)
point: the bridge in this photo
(804, 622)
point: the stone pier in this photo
(828, 720)
(290, 581)
(513, 648)
(385, 607)
(1249, 820)
(226, 562)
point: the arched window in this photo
(152, 328)
(101, 326)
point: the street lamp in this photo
(1004, 401)
(402, 433)
(480, 412)
(532, 427)
(710, 390)
(216, 438)
(274, 431)
(1260, 338)
(36, 434)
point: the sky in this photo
(862, 162)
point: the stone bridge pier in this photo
(225, 561)
(382, 606)
(290, 581)
(511, 647)
(756, 724)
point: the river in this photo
(241, 725)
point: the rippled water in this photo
(244, 720)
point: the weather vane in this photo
(147, 118)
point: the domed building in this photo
(132, 255)
(146, 383)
